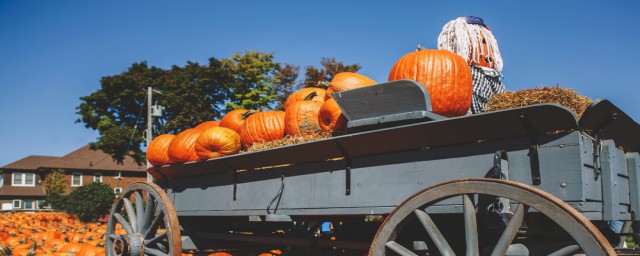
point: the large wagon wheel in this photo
(150, 223)
(414, 210)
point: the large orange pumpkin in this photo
(303, 93)
(234, 119)
(262, 127)
(301, 117)
(217, 141)
(157, 150)
(330, 117)
(446, 75)
(208, 124)
(346, 81)
(183, 146)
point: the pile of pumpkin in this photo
(311, 111)
(50, 233)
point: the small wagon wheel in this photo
(149, 225)
(414, 210)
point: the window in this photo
(28, 204)
(17, 204)
(97, 177)
(117, 190)
(23, 179)
(76, 179)
(40, 204)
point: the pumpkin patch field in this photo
(61, 234)
(49, 233)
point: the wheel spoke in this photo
(569, 250)
(510, 231)
(148, 212)
(156, 239)
(113, 236)
(154, 225)
(399, 249)
(139, 211)
(471, 226)
(123, 222)
(152, 251)
(434, 233)
(130, 213)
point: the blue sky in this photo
(54, 52)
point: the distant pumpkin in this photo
(216, 142)
(183, 146)
(157, 151)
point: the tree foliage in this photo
(54, 182)
(88, 202)
(190, 94)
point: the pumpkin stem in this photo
(311, 95)
(322, 84)
(248, 113)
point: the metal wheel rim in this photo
(579, 227)
(142, 236)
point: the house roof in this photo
(83, 158)
(37, 190)
(87, 159)
(30, 163)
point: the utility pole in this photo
(149, 126)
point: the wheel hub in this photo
(128, 245)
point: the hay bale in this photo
(563, 96)
(288, 140)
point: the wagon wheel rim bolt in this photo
(583, 235)
(149, 222)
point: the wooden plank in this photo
(633, 164)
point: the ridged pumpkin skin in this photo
(216, 142)
(234, 119)
(208, 124)
(446, 75)
(346, 81)
(301, 118)
(183, 146)
(262, 127)
(157, 151)
(302, 94)
(330, 117)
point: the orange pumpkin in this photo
(301, 118)
(303, 93)
(234, 119)
(330, 117)
(217, 141)
(208, 124)
(157, 151)
(262, 127)
(346, 81)
(446, 76)
(183, 146)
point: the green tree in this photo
(54, 181)
(190, 94)
(254, 85)
(330, 67)
(90, 201)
